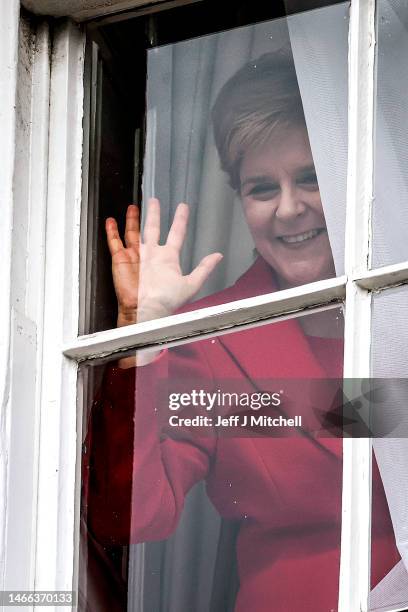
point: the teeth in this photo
(300, 237)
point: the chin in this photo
(302, 277)
(296, 269)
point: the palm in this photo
(147, 276)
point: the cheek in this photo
(258, 219)
(317, 205)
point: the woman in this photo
(285, 491)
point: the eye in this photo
(263, 191)
(308, 181)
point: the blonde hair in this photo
(260, 98)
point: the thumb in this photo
(199, 275)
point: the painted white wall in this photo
(39, 269)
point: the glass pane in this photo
(236, 429)
(390, 211)
(390, 365)
(247, 126)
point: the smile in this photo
(297, 238)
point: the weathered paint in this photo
(57, 502)
(354, 585)
(30, 159)
(264, 308)
(9, 13)
(82, 9)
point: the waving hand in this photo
(147, 276)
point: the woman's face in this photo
(282, 205)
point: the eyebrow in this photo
(307, 169)
(265, 178)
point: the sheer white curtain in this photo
(319, 42)
(390, 361)
(390, 245)
(390, 211)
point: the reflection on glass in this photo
(247, 128)
(272, 529)
(390, 211)
(389, 356)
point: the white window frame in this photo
(54, 503)
(83, 10)
(8, 80)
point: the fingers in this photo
(200, 274)
(178, 228)
(132, 229)
(151, 233)
(112, 235)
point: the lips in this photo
(301, 237)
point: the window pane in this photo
(390, 365)
(271, 530)
(248, 127)
(390, 211)
(389, 353)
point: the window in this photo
(168, 140)
(235, 123)
(170, 152)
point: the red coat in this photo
(286, 491)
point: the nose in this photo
(290, 203)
